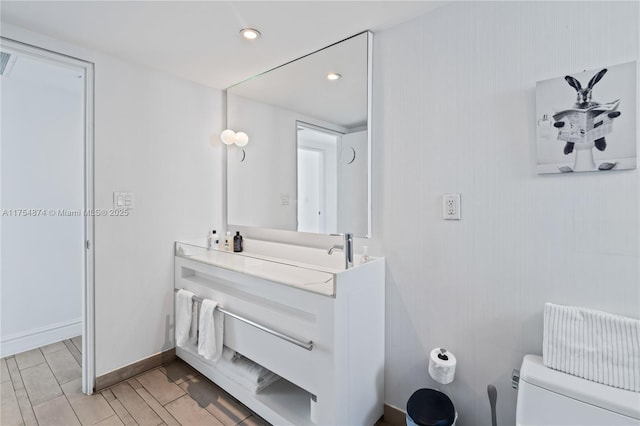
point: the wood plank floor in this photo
(43, 387)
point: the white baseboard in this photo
(37, 337)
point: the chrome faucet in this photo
(346, 247)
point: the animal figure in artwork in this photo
(585, 125)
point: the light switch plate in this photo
(123, 200)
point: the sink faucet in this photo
(347, 248)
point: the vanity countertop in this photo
(291, 273)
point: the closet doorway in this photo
(47, 226)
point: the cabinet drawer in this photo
(296, 364)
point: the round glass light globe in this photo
(228, 136)
(242, 139)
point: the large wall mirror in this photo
(307, 165)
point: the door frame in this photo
(88, 287)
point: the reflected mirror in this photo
(306, 166)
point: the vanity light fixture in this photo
(332, 76)
(242, 139)
(229, 137)
(250, 33)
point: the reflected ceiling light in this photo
(229, 137)
(333, 76)
(250, 33)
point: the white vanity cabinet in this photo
(337, 315)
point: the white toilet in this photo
(549, 397)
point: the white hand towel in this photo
(193, 331)
(211, 330)
(184, 307)
(595, 345)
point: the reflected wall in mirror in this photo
(307, 166)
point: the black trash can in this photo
(429, 407)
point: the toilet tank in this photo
(550, 397)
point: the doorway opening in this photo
(47, 224)
(317, 165)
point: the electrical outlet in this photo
(451, 206)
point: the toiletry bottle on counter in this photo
(212, 240)
(365, 254)
(237, 242)
(228, 241)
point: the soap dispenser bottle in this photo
(237, 242)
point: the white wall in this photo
(42, 168)
(454, 111)
(153, 137)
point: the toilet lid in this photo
(429, 407)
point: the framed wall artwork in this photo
(587, 121)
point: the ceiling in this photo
(199, 40)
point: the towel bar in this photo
(306, 345)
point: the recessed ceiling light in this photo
(333, 76)
(250, 33)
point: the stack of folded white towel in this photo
(206, 335)
(594, 345)
(245, 372)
